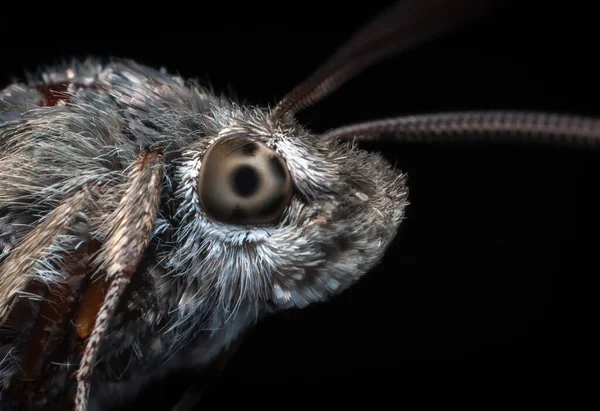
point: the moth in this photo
(147, 223)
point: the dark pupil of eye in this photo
(245, 181)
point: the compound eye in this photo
(244, 182)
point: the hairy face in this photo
(231, 211)
(273, 215)
(264, 213)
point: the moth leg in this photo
(37, 279)
(129, 229)
(39, 247)
(45, 350)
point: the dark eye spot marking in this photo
(238, 214)
(249, 148)
(277, 168)
(272, 206)
(245, 181)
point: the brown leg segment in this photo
(47, 343)
(130, 228)
(39, 245)
(33, 315)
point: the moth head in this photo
(281, 218)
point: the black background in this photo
(486, 295)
